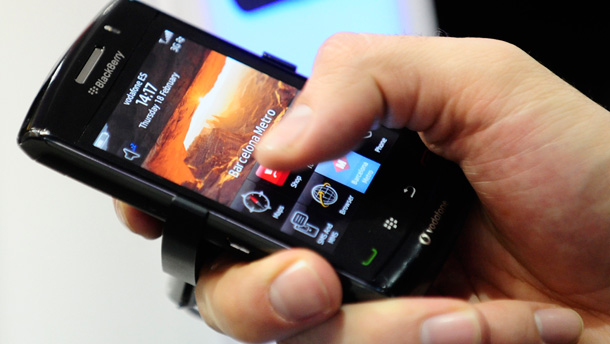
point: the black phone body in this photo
(165, 117)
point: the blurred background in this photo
(570, 38)
(71, 273)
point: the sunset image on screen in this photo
(207, 143)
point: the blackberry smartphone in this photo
(165, 117)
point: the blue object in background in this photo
(293, 30)
(250, 5)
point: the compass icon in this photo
(256, 201)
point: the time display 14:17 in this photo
(148, 93)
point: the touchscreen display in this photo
(194, 116)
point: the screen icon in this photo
(272, 176)
(256, 201)
(353, 170)
(130, 154)
(300, 223)
(341, 164)
(102, 139)
(324, 194)
(166, 37)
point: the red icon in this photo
(272, 176)
(341, 164)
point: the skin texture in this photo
(535, 150)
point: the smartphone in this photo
(166, 117)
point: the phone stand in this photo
(183, 295)
(184, 247)
(183, 251)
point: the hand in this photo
(536, 152)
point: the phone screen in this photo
(194, 117)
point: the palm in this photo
(542, 231)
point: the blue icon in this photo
(352, 170)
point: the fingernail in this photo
(298, 293)
(453, 328)
(289, 129)
(559, 325)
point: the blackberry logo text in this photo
(106, 74)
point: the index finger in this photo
(446, 88)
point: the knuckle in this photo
(342, 45)
(501, 54)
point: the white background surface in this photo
(69, 271)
